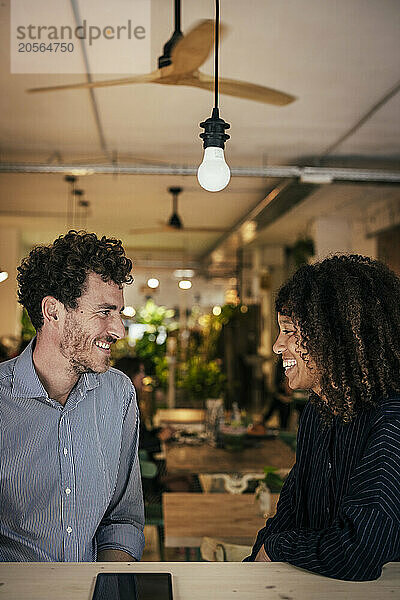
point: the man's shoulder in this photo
(117, 384)
(116, 378)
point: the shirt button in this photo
(69, 529)
(67, 491)
(329, 465)
(65, 452)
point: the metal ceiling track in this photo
(317, 175)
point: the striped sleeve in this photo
(366, 532)
(122, 525)
(285, 516)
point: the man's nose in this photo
(117, 328)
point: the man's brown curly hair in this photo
(60, 270)
(347, 309)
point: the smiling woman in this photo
(299, 368)
(342, 321)
(338, 513)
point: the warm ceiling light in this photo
(183, 273)
(129, 311)
(185, 284)
(217, 311)
(248, 231)
(153, 283)
(3, 275)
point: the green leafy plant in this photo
(161, 372)
(27, 329)
(151, 347)
(202, 379)
(272, 479)
(302, 250)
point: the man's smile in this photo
(103, 345)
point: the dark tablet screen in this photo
(133, 586)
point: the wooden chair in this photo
(213, 550)
(224, 482)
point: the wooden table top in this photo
(206, 459)
(179, 416)
(232, 518)
(194, 581)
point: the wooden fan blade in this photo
(204, 229)
(147, 230)
(168, 229)
(240, 89)
(148, 78)
(192, 50)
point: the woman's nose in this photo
(278, 347)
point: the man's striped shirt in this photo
(69, 475)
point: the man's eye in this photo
(105, 312)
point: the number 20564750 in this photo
(43, 47)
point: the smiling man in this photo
(70, 487)
(339, 509)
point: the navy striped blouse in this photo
(69, 476)
(339, 510)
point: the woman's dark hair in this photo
(347, 309)
(60, 270)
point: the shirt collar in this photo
(26, 383)
(88, 381)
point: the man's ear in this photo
(50, 309)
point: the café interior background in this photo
(318, 175)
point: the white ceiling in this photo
(338, 57)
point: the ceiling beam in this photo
(305, 174)
(276, 203)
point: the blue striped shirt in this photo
(69, 476)
(339, 510)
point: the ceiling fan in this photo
(174, 223)
(179, 65)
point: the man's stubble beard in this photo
(75, 347)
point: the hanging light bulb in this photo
(214, 174)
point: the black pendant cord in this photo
(214, 127)
(216, 54)
(178, 16)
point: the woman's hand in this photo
(262, 556)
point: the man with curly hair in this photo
(70, 487)
(339, 510)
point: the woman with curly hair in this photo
(70, 479)
(339, 510)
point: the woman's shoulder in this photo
(387, 407)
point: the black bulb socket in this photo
(214, 131)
